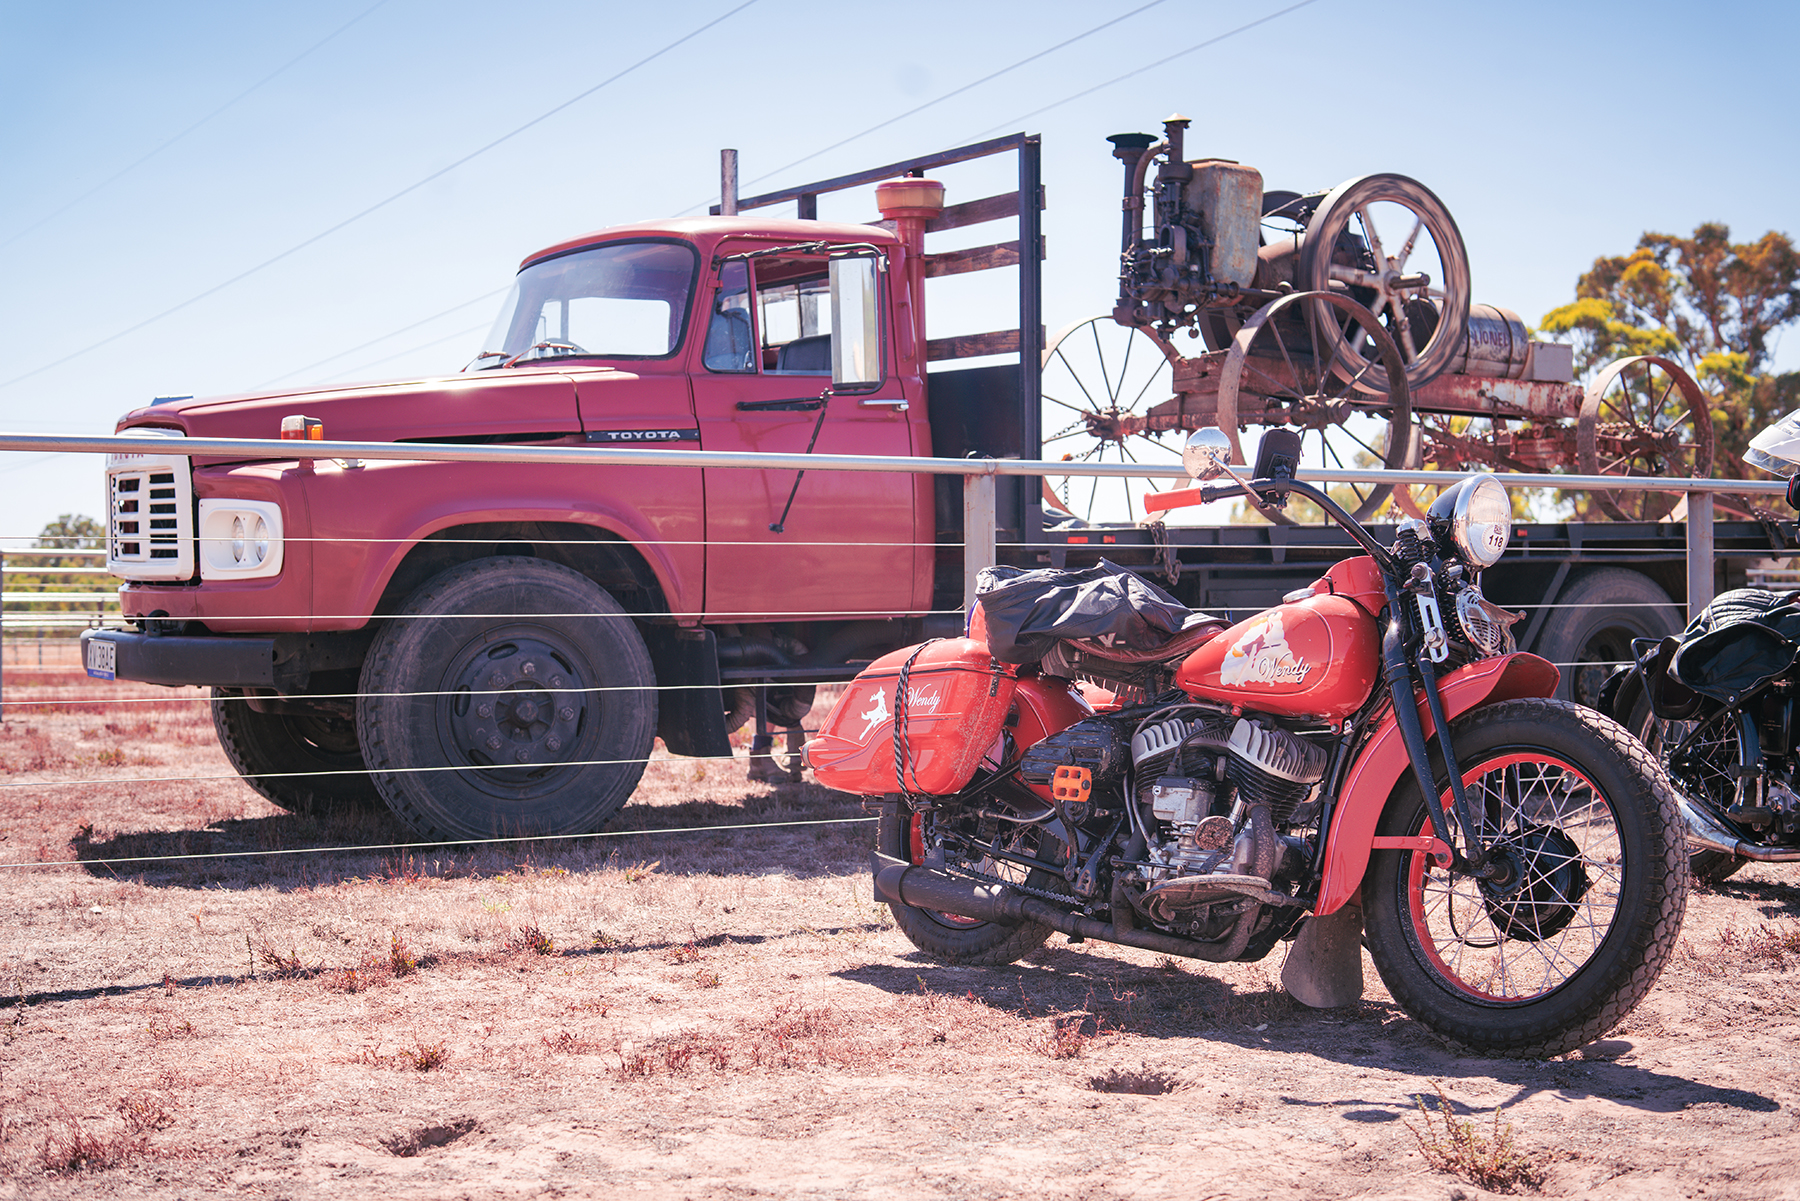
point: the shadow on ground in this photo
(798, 831)
(1172, 1000)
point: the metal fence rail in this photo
(979, 549)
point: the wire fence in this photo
(51, 592)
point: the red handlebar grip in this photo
(1156, 502)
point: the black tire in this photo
(272, 750)
(1564, 959)
(943, 936)
(562, 744)
(1607, 608)
(1713, 867)
(1709, 783)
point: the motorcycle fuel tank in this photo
(1317, 657)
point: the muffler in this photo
(922, 888)
(1705, 834)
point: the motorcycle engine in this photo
(1201, 777)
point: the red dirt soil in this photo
(701, 1015)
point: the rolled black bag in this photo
(1029, 612)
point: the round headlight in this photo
(1482, 523)
(259, 537)
(237, 539)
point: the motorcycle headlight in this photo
(1481, 521)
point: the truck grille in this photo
(150, 514)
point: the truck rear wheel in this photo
(1597, 616)
(305, 763)
(510, 697)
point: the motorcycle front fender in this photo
(1384, 762)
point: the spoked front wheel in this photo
(1559, 953)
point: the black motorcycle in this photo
(1719, 705)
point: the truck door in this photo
(849, 543)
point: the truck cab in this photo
(446, 596)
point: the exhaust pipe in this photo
(1705, 834)
(901, 883)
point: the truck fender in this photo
(1383, 762)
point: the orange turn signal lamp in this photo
(305, 429)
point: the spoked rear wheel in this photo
(901, 834)
(1702, 758)
(1561, 953)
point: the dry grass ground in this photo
(728, 1015)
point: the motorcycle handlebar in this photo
(1265, 489)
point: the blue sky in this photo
(1554, 132)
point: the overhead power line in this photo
(378, 205)
(140, 161)
(952, 94)
(1137, 72)
(358, 370)
(395, 333)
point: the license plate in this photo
(102, 659)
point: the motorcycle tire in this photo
(947, 937)
(1713, 867)
(1561, 957)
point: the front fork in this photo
(1403, 672)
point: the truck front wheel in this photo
(303, 762)
(510, 697)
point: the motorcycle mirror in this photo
(1793, 492)
(1206, 454)
(1278, 456)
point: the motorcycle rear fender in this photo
(1383, 763)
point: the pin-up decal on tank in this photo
(1261, 655)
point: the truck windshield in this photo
(628, 300)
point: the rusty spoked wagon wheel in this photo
(1388, 243)
(1271, 377)
(1644, 416)
(1099, 381)
(1459, 444)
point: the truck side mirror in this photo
(855, 325)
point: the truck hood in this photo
(515, 406)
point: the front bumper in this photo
(208, 660)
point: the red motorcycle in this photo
(1515, 864)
